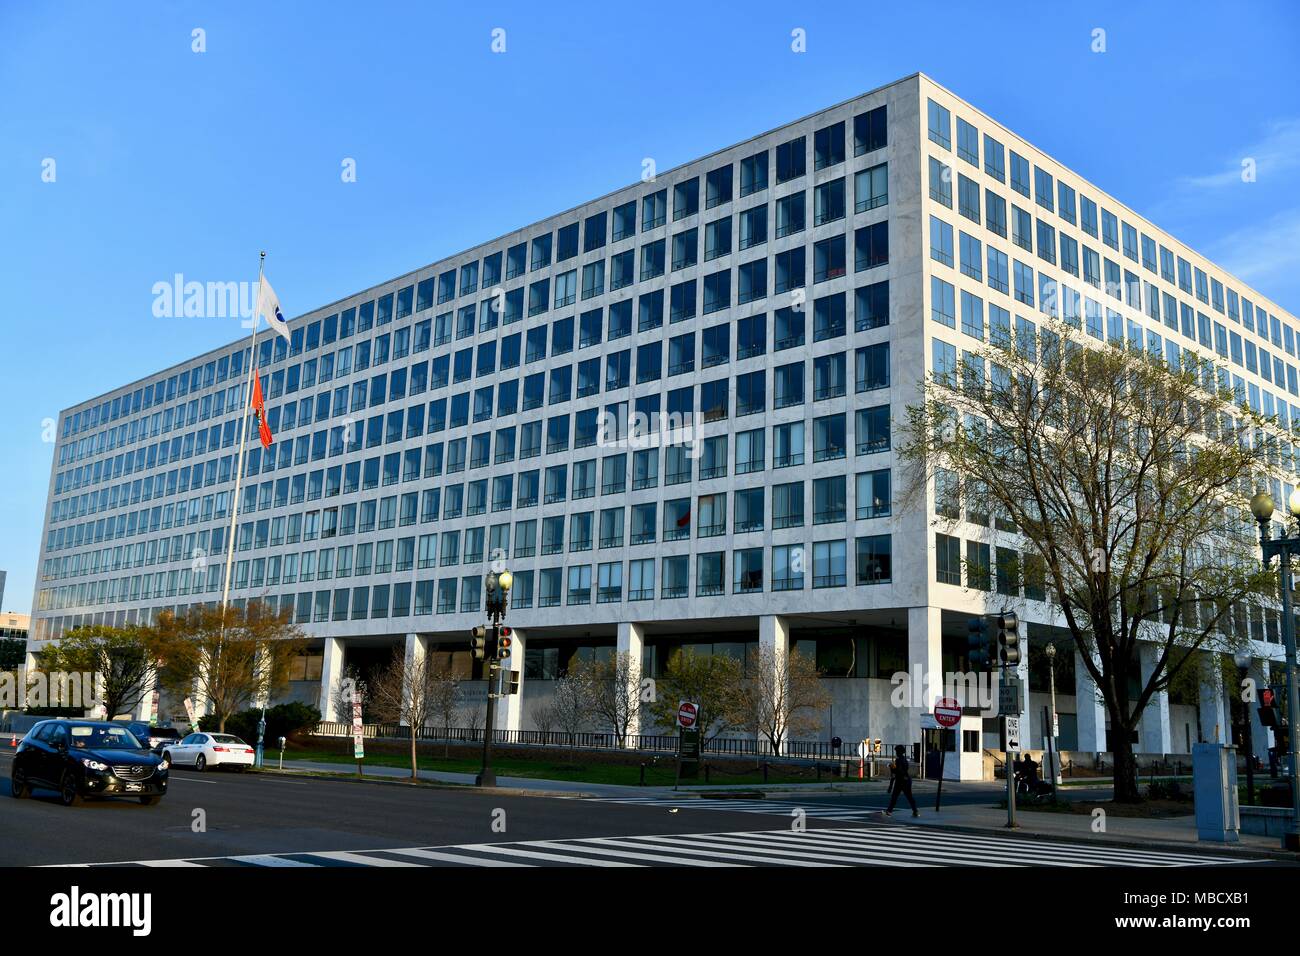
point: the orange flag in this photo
(259, 410)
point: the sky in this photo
(184, 137)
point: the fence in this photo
(588, 740)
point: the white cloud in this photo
(1278, 151)
(1267, 256)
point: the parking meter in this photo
(281, 753)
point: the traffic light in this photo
(1268, 715)
(1009, 638)
(509, 682)
(978, 648)
(504, 643)
(478, 643)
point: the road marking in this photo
(881, 846)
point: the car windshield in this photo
(96, 737)
(227, 739)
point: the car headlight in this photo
(94, 764)
(164, 764)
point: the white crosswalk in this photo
(894, 846)
(784, 808)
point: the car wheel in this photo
(18, 785)
(150, 801)
(68, 791)
(200, 762)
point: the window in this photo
(686, 199)
(1019, 174)
(871, 309)
(871, 246)
(828, 146)
(968, 142)
(718, 187)
(874, 559)
(753, 174)
(947, 559)
(871, 188)
(790, 214)
(872, 494)
(828, 202)
(869, 131)
(940, 125)
(940, 241)
(968, 198)
(829, 564)
(995, 161)
(791, 160)
(940, 182)
(942, 303)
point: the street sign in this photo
(864, 749)
(688, 753)
(1056, 725)
(1011, 734)
(947, 711)
(688, 713)
(1009, 695)
(358, 731)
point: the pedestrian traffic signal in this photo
(478, 643)
(979, 649)
(1268, 715)
(509, 682)
(1009, 638)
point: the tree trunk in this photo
(415, 763)
(1126, 779)
(221, 724)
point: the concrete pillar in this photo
(417, 648)
(1213, 712)
(1153, 731)
(1090, 711)
(331, 675)
(924, 663)
(631, 641)
(510, 710)
(774, 652)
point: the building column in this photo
(1213, 713)
(331, 675)
(1153, 732)
(510, 710)
(1090, 712)
(631, 641)
(924, 663)
(417, 647)
(774, 652)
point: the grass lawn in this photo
(583, 769)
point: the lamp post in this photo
(1051, 731)
(1243, 661)
(1261, 506)
(498, 591)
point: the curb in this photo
(424, 784)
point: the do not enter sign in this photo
(687, 714)
(947, 711)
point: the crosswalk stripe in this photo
(269, 859)
(361, 858)
(624, 851)
(169, 863)
(453, 857)
(780, 856)
(533, 854)
(880, 855)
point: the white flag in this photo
(268, 305)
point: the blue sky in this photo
(167, 160)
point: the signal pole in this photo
(489, 650)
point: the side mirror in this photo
(62, 746)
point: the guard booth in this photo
(963, 759)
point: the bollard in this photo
(765, 771)
(706, 773)
(643, 773)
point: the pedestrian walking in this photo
(900, 781)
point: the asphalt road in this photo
(267, 813)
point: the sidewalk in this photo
(526, 785)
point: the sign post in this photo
(358, 732)
(688, 741)
(947, 714)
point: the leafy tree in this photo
(123, 660)
(712, 681)
(230, 658)
(1123, 482)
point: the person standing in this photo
(900, 781)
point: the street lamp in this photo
(1056, 746)
(1243, 661)
(498, 592)
(1261, 506)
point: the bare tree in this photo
(781, 698)
(571, 702)
(407, 691)
(544, 717)
(1123, 482)
(444, 700)
(229, 658)
(614, 687)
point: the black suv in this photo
(87, 758)
(155, 738)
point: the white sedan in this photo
(201, 751)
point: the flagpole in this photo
(243, 438)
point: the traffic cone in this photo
(14, 743)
